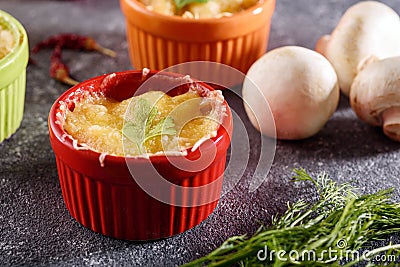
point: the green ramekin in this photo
(13, 78)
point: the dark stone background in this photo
(37, 229)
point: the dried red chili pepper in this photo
(73, 41)
(58, 70)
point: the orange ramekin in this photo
(158, 41)
(104, 196)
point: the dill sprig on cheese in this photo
(336, 230)
(141, 126)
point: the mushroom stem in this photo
(321, 44)
(391, 123)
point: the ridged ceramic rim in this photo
(222, 25)
(16, 61)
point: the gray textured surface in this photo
(36, 228)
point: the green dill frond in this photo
(340, 222)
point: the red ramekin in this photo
(108, 200)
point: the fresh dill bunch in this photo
(336, 230)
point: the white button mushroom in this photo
(366, 29)
(375, 95)
(301, 88)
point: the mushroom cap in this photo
(366, 29)
(375, 89)
(301, 88)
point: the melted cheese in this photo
(97, 122)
